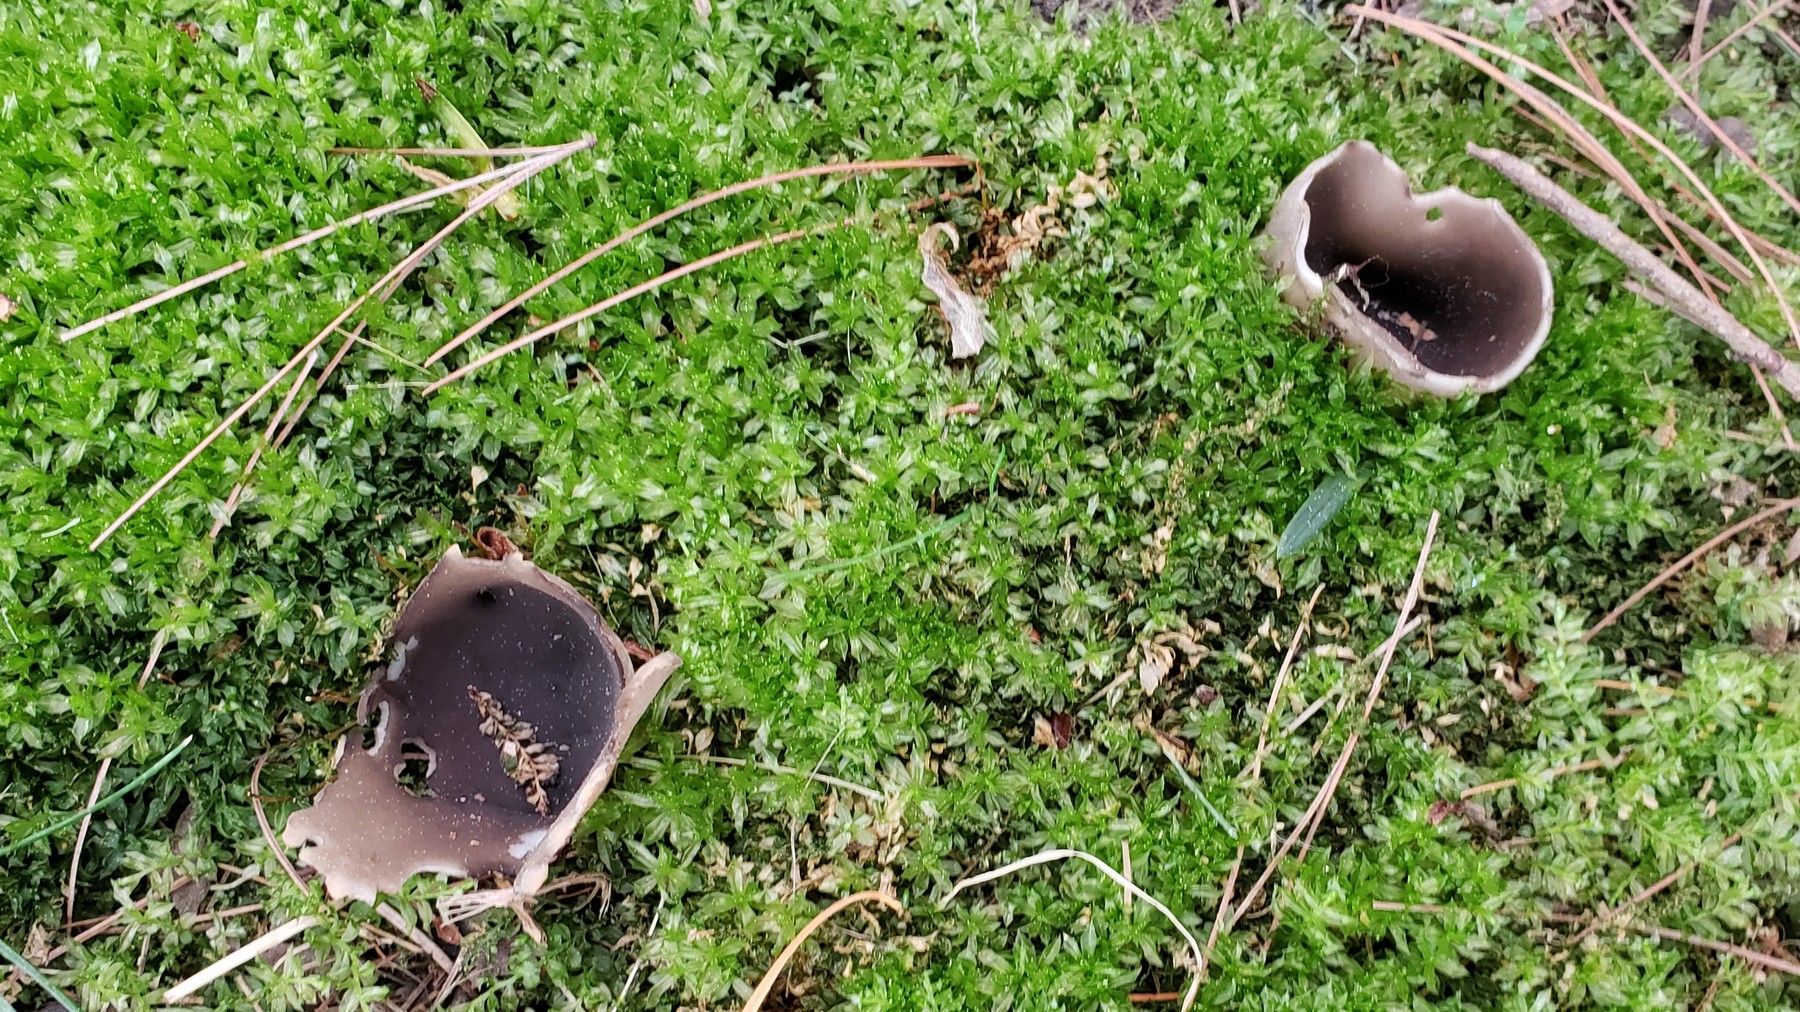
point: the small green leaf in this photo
(459, 127)
(1315, 513)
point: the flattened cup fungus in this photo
(1441, 290)
(519, 701)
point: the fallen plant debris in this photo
(965, 314)
(1601, 229)
(776, 447)
(530, 763)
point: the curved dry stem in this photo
(262, 821)
(767, 984)
(1121, 881)
(1687, 560)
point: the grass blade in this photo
(1315, 513)
(70, 820)
(37, 977)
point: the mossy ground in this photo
(1150, 416)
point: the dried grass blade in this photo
(1048, 856)
(767, 984)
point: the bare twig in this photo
(1596, 226)
(1687, 560)
(156, 649)
(767, 984)
(1048, 856)
(524, 171)
(931, 162)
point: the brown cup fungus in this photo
(1441, 290)
(517, 701)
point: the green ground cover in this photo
(1150, 415)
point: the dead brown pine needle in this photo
(1218, 924)
(156, 649)
(1693, 67)
(1447, 39)
(526, 152)
(1687, 560)
(525, 171)
(268, 439)
(1551, 773)
(1287, 662)
(607, 303)
(1121, 881)
(1315, 812)
(928, 162)
(1764, 960)
(1694, 107)
(767, 984)
(1702, 13)
(1751, 956)
(1709, 314)
(393, 207)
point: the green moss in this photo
(1151, 417)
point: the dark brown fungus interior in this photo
(538, 649)
(1455, 282)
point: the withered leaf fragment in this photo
(530, 763)
(515, 635)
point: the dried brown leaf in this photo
(966, 314)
